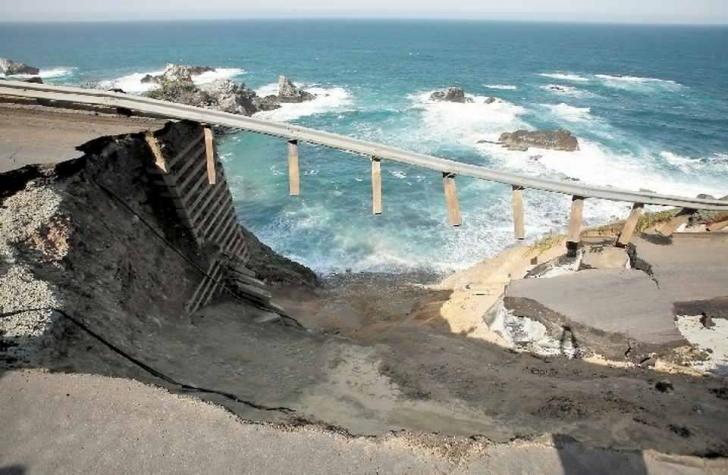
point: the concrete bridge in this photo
(183, 168)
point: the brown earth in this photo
(89, 288)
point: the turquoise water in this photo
(649, 105)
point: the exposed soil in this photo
(111, 272)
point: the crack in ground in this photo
(156, 373)
(640, 264)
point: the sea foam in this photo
(637, 83)
(132, 83)
(569, 113)
(466, 123)
(328, 99)
(501, 87)
(565, 77)
(46, 73)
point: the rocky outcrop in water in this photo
(288, 92)
(9, 67)
(177, 72)
(522, 140)
(176, 85)
(451, 94)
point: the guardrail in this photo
(376, 152)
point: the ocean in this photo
(649, 105)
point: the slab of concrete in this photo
(604, 309)
(688, 268)
(604, 257)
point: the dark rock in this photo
(680, 430)
(556, 88)
(664, 386)
(489, 100)
(9, 67)
(706, 321)
(34, 80)
(521, 140)
(267, 103)
(228, 96)
(176, 85)
(451, 94)
(288, 92)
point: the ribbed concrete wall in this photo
(206, 210)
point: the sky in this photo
(627, 11)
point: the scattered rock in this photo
(555, 88)
(706, 320)
(664, 386)
(720, 393)
(451, 94)
(489, 100)
(681, 431)
(521, 140)
(9, 67)
(288, 92)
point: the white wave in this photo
(596, 164)
(501, 87)
(56, 72)
(328, 99)
(219, 73)
(717, 164)
(467, 122)
(570, 113)
(684, 164)
(634, 82)
(564, 90)
(132, 83)
(565, 77)
(47, 73)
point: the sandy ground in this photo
(92, 424)
(33, 134)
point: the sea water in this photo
(649, 105)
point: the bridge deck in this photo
(146, 105)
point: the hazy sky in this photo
(641, 11)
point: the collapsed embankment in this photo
(96, 271)
(94, 240)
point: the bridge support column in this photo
(451, 199)
(294, 182)
(376, 186)
(210, 155)
(159, 160)
(630, 225)
(519, 230)
(575, 219)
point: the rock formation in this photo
(9, 67)
(177, 72)
(451, 94)
(176, 85)
(521, 140)
(288, 92)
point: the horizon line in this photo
(368, 18)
